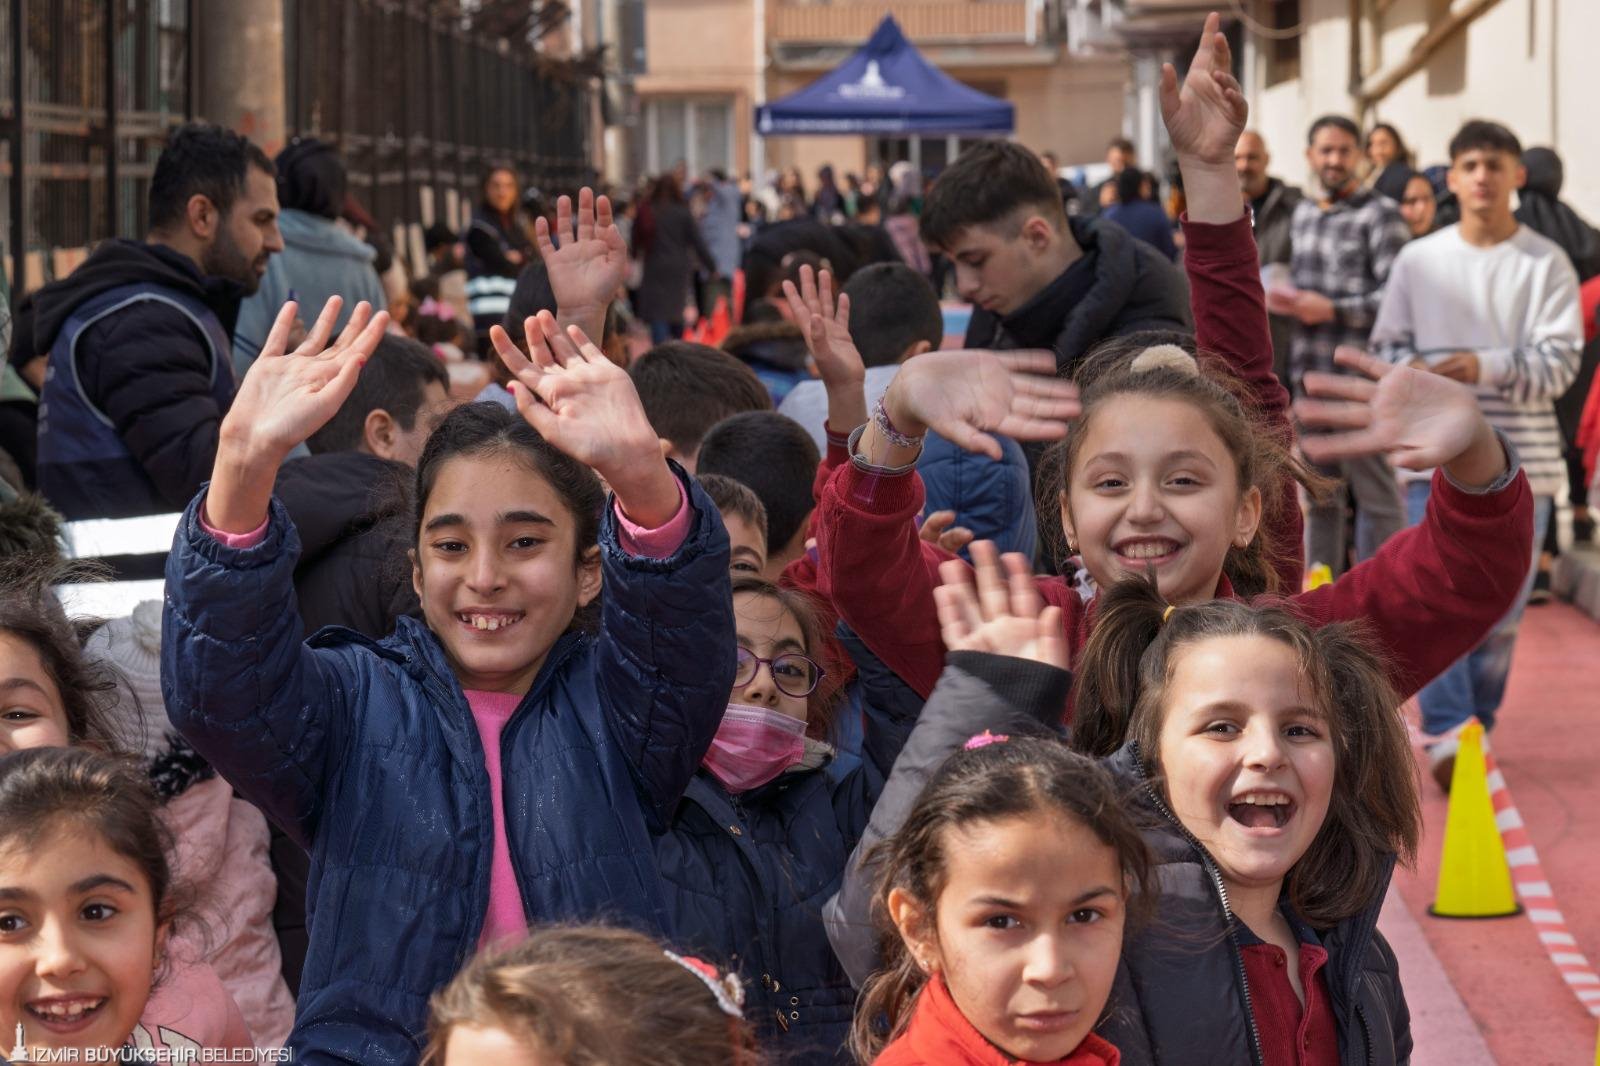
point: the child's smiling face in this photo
(1027, 930)
(1247, 757)
(31, 712)
(79, 940)
(1154, 489)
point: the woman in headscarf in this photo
(320, 258)
(1413, 192)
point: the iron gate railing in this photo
(75, 158)
(416, 98)
(420, 103)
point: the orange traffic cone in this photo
(1474, 878)
(720, 326)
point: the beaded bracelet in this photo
(880, 418)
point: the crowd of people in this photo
(527, 691)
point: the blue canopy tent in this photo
(886, 87)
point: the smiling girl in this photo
(496, 762)
(86, 907)
(1181, 466)
(1277, 790)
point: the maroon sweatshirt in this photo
(1430, 594)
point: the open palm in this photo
(1419, 420)
(285, 398)
(1005, 615)
(965, 396)
(588, 268)
(576, 398)
(826, 327)
(1205, 117)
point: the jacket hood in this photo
(337, 495)
(115, 263)
(779, 344)
(1545, 172)
(322, 236)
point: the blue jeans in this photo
(1476, 683)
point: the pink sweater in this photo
(491, 710)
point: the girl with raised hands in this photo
(1182, 465)
(506, 758)
(1271, 774)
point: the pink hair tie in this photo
(725, 987)
(984, 739)
(434, 309)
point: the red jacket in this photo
(1429, 595)
(940, 1035)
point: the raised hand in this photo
(282, 401)
(940, 528)
(1419, 420)
(1205, 117)
(285, 398)
(826, 327)
(586, 405)
(964, 396)
(1004, 616)
(587, 270)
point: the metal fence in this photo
(420, 103)
(75, 158)
(416, 98)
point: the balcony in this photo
(963, 21)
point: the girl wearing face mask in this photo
(760, 840)
(1006, 894)
(1273, 773)
(506, 758)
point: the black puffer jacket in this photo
(1133, 287)
(352, 511)
(1177, 998)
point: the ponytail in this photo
(1128, 619)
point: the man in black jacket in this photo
(135, 342)
(1037, 278)
(350, 499)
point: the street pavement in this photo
(1485, 991)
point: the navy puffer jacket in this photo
(747, 876)
(366, 753)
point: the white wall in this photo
(1526, 63)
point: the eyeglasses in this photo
(793, 673)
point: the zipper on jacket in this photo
(1366, 1033)
(1222, 895)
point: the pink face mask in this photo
(753, 745)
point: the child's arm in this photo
(1204, 121)
(666, 645)
(238, 683)
(1007, 673)
(585, 270)
(1435, 589)
(871, 562)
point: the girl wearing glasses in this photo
(760, 839)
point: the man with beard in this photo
(135, 342)
(1272, 204)
(1343, 244)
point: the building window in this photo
(1283, 50)
(697, 131)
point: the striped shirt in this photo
(1342, 250)
(1515, 305)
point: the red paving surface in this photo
(1548, 746)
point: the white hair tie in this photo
(1168, 356)
(727, 988)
